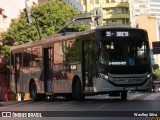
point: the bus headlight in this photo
(104, 76)
(149, 75)
(159, 89)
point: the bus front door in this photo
(87, 65)
(47, 69)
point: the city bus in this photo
(111, 60)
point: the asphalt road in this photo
(139, 106)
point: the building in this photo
(10, 9)
(149, 23)
(141, 7)
(76, 4)
(151, 7)
(115, 12)
(154, 7)
(147, 6)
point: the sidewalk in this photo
(7, 103)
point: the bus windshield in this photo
(121, 49)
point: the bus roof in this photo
(53, 38)
(62, 37)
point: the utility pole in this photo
(27, 12)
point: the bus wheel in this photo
(124, 95)
(33, 91)
(79, 92)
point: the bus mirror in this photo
(96, 50)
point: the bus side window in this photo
(37, 56)
(27, 57)
(58, 60)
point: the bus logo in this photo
(131, 61)
(6, 114)
(134, 80)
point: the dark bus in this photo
(100, 61)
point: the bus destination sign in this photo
(120, 33)
(117, 34)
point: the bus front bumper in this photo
(101, 85)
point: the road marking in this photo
(133, 96)
(100, 107)
(152, 96)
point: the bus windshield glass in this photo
(124, 48)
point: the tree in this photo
(50, 17)
(155, 67)
(76, 28)
(157, 74)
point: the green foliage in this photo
(157, 74)
(73, 52)
(76, 28)
(154, 76)
(50, 16)
(81, 27)
(155, 67)
(5, 51)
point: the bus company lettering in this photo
(128, 80)
(134, 80)
(117, 63)
(119, 80)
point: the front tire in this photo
(79, 91)
(33, 91)
(34, 95)
(124, 95)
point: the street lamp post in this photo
(66, 26)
